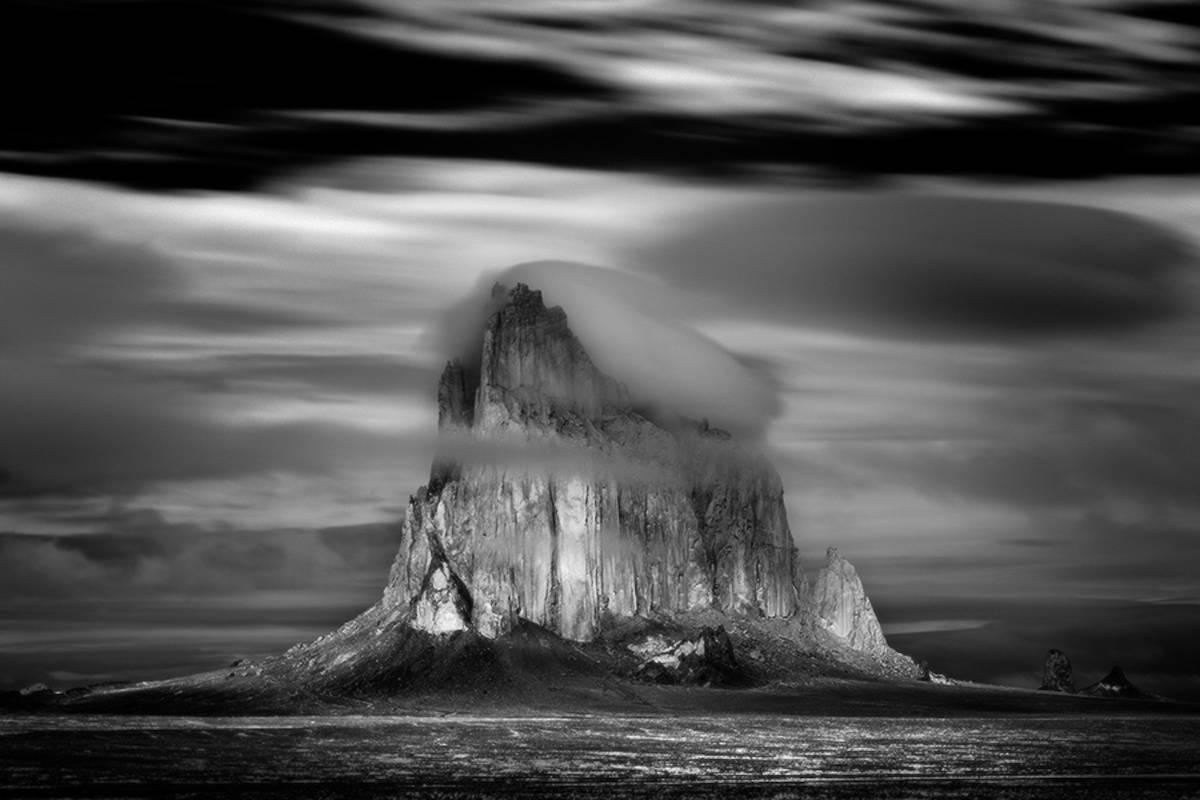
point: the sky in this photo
(959, 243)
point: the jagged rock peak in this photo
(1057, 675)
(531, 365)
(840, 603)
(1115, 684)
(609, 514)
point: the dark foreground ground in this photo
(212, 696)
(377, 670)
(740, 755)
(378, 711)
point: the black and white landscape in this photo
(490, 398)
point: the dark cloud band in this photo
(165, 95)
(929, 266)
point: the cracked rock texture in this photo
(706, 659)
(841, 605)
(579, 508)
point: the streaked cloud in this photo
(865, 88)
(913, 264)
(1035, 445)
(933, 626)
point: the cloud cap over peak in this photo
(634, 329)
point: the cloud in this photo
(203, 115)
(353, 375)
(64, 287)
(58, 287)
(632, 329)
(927, 266)
(1036, 426)
(85, 409)
(932, 626)
(119, 436)
(682, 85)
(138, 553)
(139, 596)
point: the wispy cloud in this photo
(984, 428)
(693, 85)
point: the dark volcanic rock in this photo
(706, 659)
(1056, 675)
(925, 673)
(36, 689)
(1115, 684)
(33, 697)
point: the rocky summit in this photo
(586, 509)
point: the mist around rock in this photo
(634, 329)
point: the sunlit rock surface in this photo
(841, 605)
(442, 606)
(565, 506)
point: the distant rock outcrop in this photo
(1056, 674)
(841, 605)
(925, 673)
(1115, 684)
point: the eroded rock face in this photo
(840, 603)
(442, 606)
(612, 514)
(1056, 674)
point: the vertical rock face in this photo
(585, 508)
(1056, 674)
(841, 604)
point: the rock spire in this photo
(587, 508)
(841, 605)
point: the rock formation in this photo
(1114, 684)
(568, 546)
(841, 605)
(925, 673)
(1056, 675)
(613, 514)
(706, 659)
